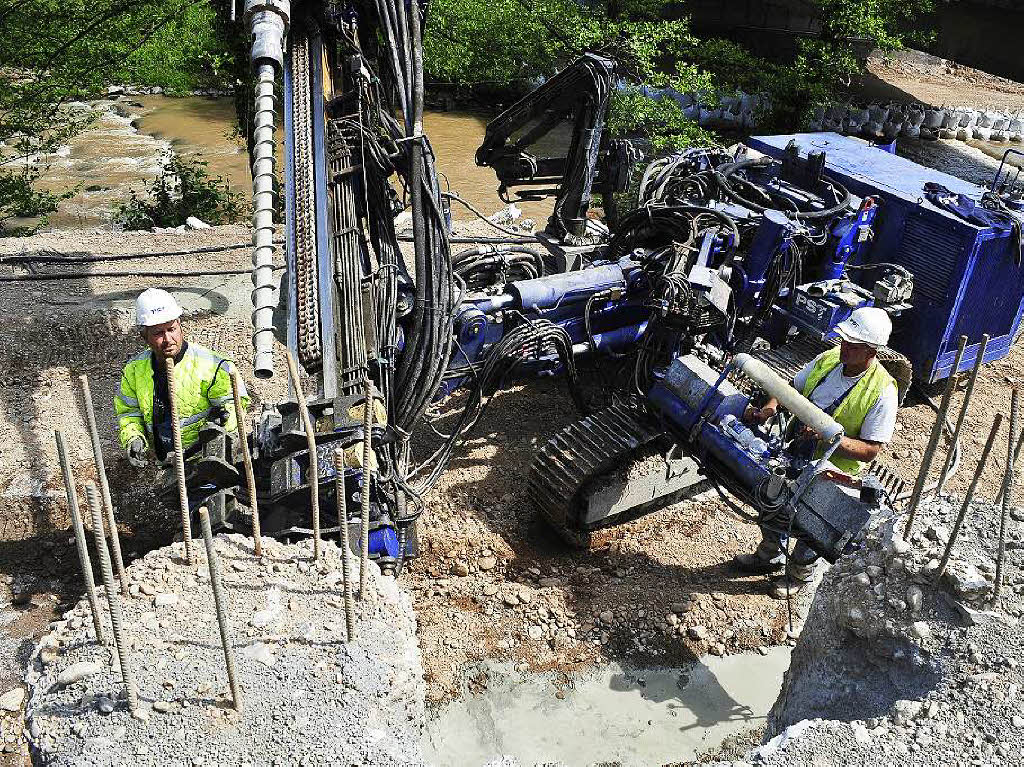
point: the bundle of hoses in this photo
(657, 226)
(729, 184)
(680, 176)
(576, 186)
(528, 340)
(428, 341)
(488, 266)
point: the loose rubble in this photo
(309, 697)
(891, 666)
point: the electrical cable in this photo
(56, 257)
(480, 214)
(56, 277)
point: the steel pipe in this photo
(364, 498)
(268, 26)
(263, 202)
(1009, 475)
(179, 464)
(346, 554)
(221, 606)
(250, 478)
(80, 542)
(978, 362)
(996, 422)
(313, 474)
(113, 600)
(101, 475)
(933, 440)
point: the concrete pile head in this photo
(310, 695)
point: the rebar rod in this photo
(1008, 479)
(933, 441)
(1016, 459)
(996, 422)
(80, 542)
(101, 475)
(313, 474)
(221, 606)
(364, 498)
(250, 478)
(113, 600)
(179, 464)
(979, 360)
(346, 554)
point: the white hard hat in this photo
(867, 325)
(155, 307)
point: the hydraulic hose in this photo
(724, 174)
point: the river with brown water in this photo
(126, 146)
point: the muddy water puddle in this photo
(615, 714)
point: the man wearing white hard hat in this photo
(849, 384)
(202, 381)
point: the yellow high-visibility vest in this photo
(855, 405)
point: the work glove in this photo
(137, 452)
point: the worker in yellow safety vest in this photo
(202, 382)
(849, 384)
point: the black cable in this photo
(724, 177)
(524, 240)
(55, 277)
(56, 257)
(479, 214)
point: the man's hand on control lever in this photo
(758, 416)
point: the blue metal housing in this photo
(966, 278)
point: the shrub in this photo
(183, 189)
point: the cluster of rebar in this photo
(1014, 443)
(109, 553)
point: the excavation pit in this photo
(613, 714)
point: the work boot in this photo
(791, 582)
(764, 560)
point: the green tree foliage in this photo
(510, 42)
(59, 50)
(183, 189)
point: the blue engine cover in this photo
(968, 279)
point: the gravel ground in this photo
(892, 666)
(912, 75)
(309, 697)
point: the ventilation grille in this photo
(930, 250)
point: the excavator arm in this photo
(520, 145)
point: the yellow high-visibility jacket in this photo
(855, 406)
(202, 383)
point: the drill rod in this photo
(80, 542)
(313, 474)
(933, 441)
(250, 479)
(179, 464)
